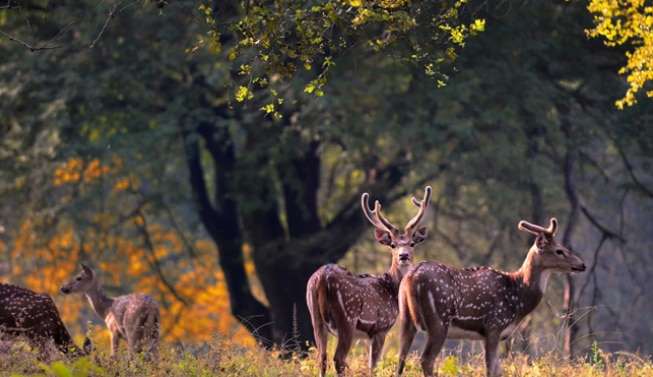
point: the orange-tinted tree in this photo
(152, 259)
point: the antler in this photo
(536, 229)
(422, 210)
(375, 217)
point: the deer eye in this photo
(559, 252)
(79, 278)
(392, 246)
(412, 244)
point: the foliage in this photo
(276, 40)
(221, 357)
(105, 153)
(627, 22)
(156, 254)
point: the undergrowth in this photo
(221, 357)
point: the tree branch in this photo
(607, 233)
(28, 46)
(631, 172)
(155, 264)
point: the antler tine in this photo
(373, 215)
(553, 225)
(387, 224)
(530, 228)
(422, 209)
(369, 213)
(536, 229)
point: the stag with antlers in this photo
(363, 306)
(477, 303)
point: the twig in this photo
(112, 12)
(28, 46)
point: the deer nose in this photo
(581, 268)
(404, 256)
(65, 290)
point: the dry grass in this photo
(222, 358)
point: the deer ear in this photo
(541, 241)
(382, 237)
(420, 234)
(88, 270)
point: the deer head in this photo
(401, 245)
(82, 282)
(546, 253)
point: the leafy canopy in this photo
(627, 21)
(271, 42)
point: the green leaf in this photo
(449, 366)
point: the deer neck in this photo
(100, 302)
(531, 281)
(396, 273)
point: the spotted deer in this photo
(363, 306)
(478, 303)
(134, 317)
(34, 317)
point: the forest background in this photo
(214, 155)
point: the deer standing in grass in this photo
(363, 306)
(35, 317)
(133, 317)
(477, 303)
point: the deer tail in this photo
(411, 295)
(316, 297)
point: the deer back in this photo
(484, 300)
(136, 310)
(35, 316)
(365, 301)
(474, 300)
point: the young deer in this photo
(363, 306)
(477, 303)
(134, 317)
(35, 317)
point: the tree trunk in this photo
(221, 222)
(284, 269)
(247, 207)
(568, 298)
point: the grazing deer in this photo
(477, 303)
(363, 306)
(134, 317)
(35, 317)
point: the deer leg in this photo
(345, 338)
(321, 337)
(492, 361)
(115, 338)
(375, 347)
(152, 343)
(114, 330)
(436, 334)
(407, 331)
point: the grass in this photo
(222, 358)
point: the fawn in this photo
(133, 317)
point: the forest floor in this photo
(222, 358)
